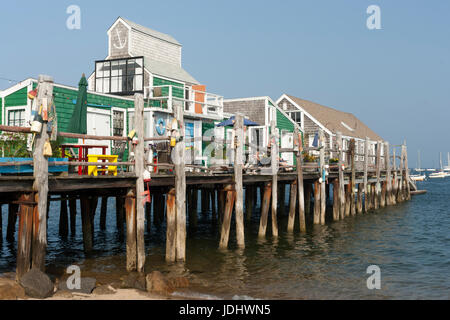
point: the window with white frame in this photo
(16, 117)
(296, 116)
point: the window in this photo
(16, 118)
(296, 116)
(120, 76)
(118, 123)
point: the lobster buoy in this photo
(161, 126)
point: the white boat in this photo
(431, 170)
(418, 177)
(438, 174)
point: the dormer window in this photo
(120, 76)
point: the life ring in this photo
(161, 126)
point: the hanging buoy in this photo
(161, 126)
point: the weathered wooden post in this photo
(359, 205)
(366, 172)
(387, 161)
(249, 201)
(317, 208)
(265, 209)
(323, 197)
(400, 183)
(139, 168)
(281, 198)
(86, 222)
(225, 232)
(73, 215)
(24, 236)
(171, 232)
(407, 180)
(394, 183)
(40, 173)
(238, 166)
(63, 219)
(292, 206)
(336, 200)
(130, 209)
(120, 204)
(300, 186)
(180, 184)
(103, 212)
(275, 167)
(353, 181)
(341, 176)
(378, 172)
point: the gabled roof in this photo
(168, 70)
(151, 32)
(335, 120)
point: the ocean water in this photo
(409, 242)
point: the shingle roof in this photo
(168, 70)
(151, 32)
(335, 120)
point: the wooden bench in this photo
(102, 160)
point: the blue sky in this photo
(396, 79)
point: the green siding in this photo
(283, 123)
(177, 90)
(1, 110)
(18, 98)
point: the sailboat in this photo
(419, 169)
(447, 167)
(440, 173)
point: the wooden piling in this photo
(275, 168)
(353, 178)
(249, 202)
(130, 217)
(292, 206)
(221, 204)
(341, 176)
(212, 194)
(63, 219)
(300, 184)
(394, 178)
(265, 209)
(103, 212)
(171, 227)
(359, 199)
(407, 179)
(281, 198)
(180, 184)
(348, 199)
(40, 173)
(148, 215)
(238, 184)
(193, 211)
(378, 184)
(86, 223)
(225, 232)
(308, 192)
(366, 170)
(400, 180)
(336, 214)
(24, 236)
(120, 204)
(73, 215)
(323, 197)
(387, 162)
(139, 169)
(316, 202)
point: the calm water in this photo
(409, 242)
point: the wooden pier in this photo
(320, 192)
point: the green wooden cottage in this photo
(263, 110)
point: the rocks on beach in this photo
(37, 284)
(87, 285)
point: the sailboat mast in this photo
(440, 159)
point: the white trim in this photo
(124, 119)
(18, 86)
(246, 99)
(108, 32)
(27, 114)
(284, 96)
(286, 115)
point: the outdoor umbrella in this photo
(230, 123)
(78, 122)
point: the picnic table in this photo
(110, 169)
(83, 150)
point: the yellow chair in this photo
(111, 170)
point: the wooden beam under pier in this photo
(225, 231)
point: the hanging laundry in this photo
(315, 143)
